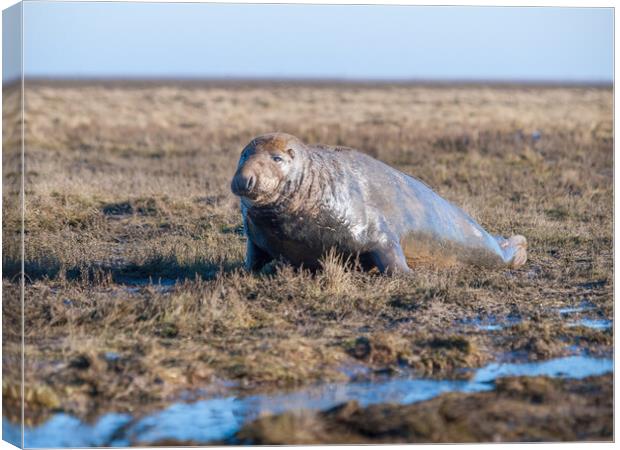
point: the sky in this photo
(11, 43)
(159, 40)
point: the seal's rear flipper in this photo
(515, 250)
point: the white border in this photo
(545, 3)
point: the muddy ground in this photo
(536, 409)
(135, 292)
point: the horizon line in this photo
(149, 79)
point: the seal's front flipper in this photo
(514, 250)
(255, 257)
(389, 259)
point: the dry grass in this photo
(127, 183)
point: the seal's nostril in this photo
(250, 183)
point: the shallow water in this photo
(491, 323)
(583, 306)
(588, 322)
(220, 418)
(597, 324)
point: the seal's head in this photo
(265, 166)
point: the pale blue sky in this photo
(11, 43)
(310, 41)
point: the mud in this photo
(538, 409)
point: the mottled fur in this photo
(300, 201)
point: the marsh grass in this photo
(135, 290)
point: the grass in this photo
(127, 187)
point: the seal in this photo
(299, 201)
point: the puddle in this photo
(218, 419)
(63, 430)
(491, 323)
(494, 323)
(583, 306)
(568, 367)
(597, 324)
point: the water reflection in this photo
(597, 324)
(219, 419)
(197, 422)
(63, 430)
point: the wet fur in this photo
(338, 198)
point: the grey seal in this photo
(299, 201)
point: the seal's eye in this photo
(277, 159)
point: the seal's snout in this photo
(243, 184)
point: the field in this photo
(136, 297)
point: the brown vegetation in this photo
(128, 186)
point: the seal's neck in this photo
(310, 189)
(314, 186)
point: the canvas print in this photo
(250, 224)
